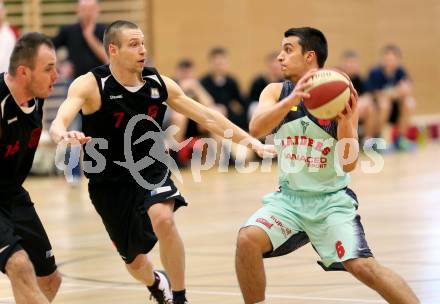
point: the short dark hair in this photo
(311, 39)
(393, 49)
(111, 34)
(217, 51)
(26, 50)
(185, 64)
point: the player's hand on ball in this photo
(350, 107)
(75, 137)
(298, 92)
(350, 84)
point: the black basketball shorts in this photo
(123, 209)
(21, 228)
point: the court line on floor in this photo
(87, 288)
(92, 287)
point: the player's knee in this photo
(163, 224)
(364, 269)
(138, 263)
(51, 282)
(19, 264)
(249, 238)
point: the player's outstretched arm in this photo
(79, 93)
(269, 112)
(208, 118)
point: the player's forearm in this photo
(346, 130)
(218, 124)
(263, 123)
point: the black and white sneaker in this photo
(162, 293)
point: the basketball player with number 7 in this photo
(111, 97)
(314, 203)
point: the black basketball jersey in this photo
(20, 131)
(329, 126)
(121, 121)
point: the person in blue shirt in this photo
(392, 89)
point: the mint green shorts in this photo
(329, 221)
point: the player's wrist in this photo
(289, 102)
(255, 143)
(349, 132)
(56, 135)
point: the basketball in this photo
(329, 93)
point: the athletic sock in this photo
(179, 296)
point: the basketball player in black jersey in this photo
(25, 251)
(110, 97)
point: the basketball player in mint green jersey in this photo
(314, 203)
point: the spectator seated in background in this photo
(186, 79)
(224, 88)
(226, 93)
(350, 64)
(272, 74)
(392, 89)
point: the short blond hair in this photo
(112, 33)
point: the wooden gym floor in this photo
(399, 209)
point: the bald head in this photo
(88, 10)
(87, 3)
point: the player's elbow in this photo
(255, 129)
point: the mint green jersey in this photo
(306, 146)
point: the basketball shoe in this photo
(161, 291)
